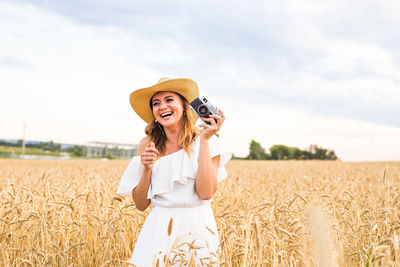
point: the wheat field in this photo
(268, 213)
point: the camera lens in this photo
(203, 110)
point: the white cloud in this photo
(70, 81)
(351, 139)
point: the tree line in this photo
(76, 150)
(256, 151)
(282, 152)
(50, 146)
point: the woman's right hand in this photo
(149, 156)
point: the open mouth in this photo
(166, 115)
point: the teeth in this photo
(166, 114)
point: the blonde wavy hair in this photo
(189, 131)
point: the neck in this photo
(172, 135)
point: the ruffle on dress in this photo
(131, 176)
(176, 167)
(217, 148)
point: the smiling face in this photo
(167, 108)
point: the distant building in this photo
(96, 149)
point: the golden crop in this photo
(269, 213)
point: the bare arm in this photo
(148, 157)
(207, 181)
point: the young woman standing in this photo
(176, 170)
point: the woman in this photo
(177, 170)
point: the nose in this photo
(163, 104)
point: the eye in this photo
(155, 103)
(170, 99)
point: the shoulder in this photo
(142, 145)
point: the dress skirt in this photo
(177, 236)
(181, 229)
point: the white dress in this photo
(181, 227)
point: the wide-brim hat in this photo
(140, 99)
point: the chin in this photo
(170, 123)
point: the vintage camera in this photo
(204, 108)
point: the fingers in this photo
(150, 152)
(211, 120)
(222, 113)
(149, 155)
(220, 118)
(152, 149)
(215, 122)
(209, 129)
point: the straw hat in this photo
(140, 99)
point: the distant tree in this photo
(280, 152)
(294, 153)
(331, 155)
(305, 155)
(50, 146)
(321, 153)
(256, 151)
(109, 156)
(77, 151)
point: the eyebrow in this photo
(156, 99)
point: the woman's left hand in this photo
(216, 123)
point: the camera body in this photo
(204, 108)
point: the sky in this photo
(296, 72)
